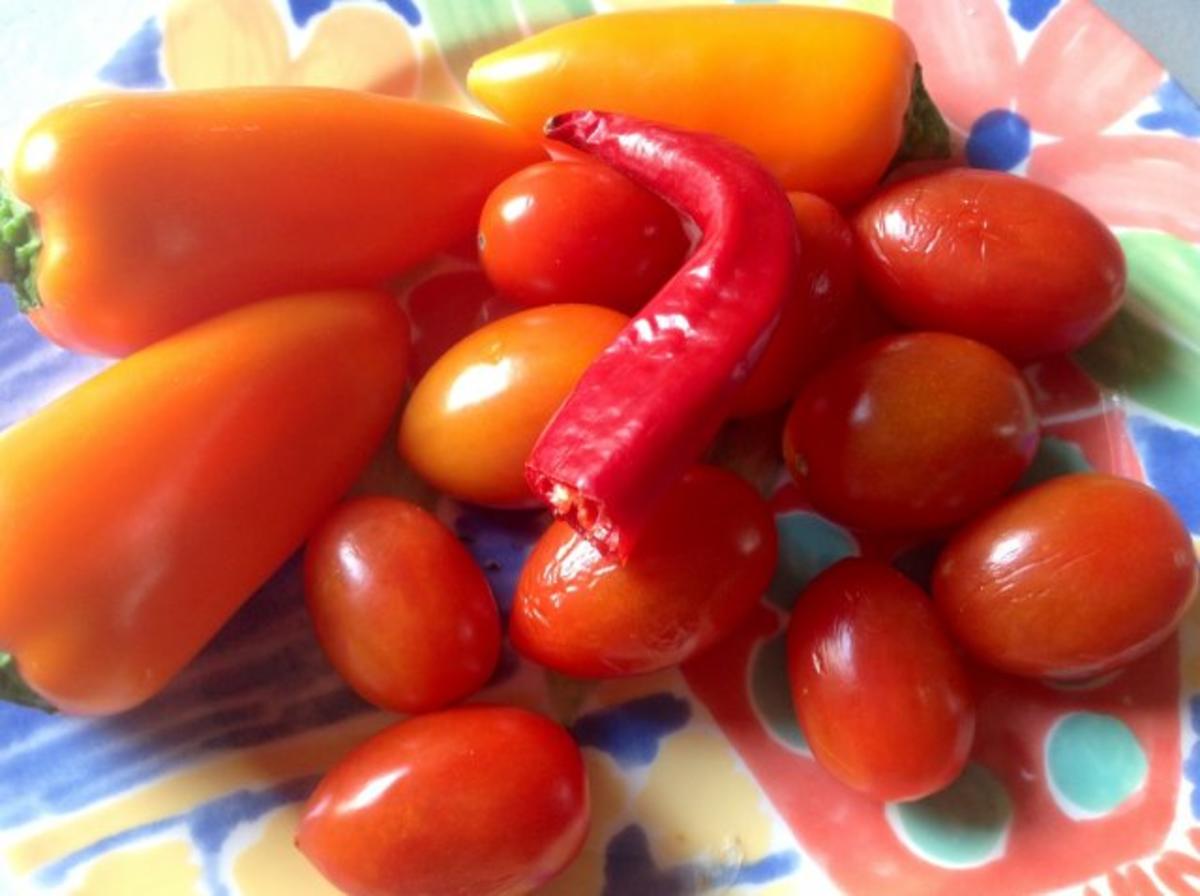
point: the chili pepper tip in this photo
(576, 127)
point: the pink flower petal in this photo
(1129, 181)
(1083, 73)
(966, 53)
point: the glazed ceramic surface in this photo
(700, 780)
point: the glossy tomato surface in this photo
(704, 559)
(473, 418)
(1074, 577)
(911, 432)
(472, 801)
(817, 320)
(879, 689)
(400, 607)
(577, 231)
(992, 256)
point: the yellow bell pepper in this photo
(826, 98)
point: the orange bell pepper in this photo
(158, 210)
(140, 510)
(826, 98)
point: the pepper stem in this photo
(20, 244)
(926, 135)
(14, 689)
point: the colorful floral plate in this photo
(700, 780)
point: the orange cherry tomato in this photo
(881, 693)
(473, 801)
(400, 607)
(578, 231)
(704, 559)
(1074, 577)
(817, 322)
(911, 432)
(473, 418)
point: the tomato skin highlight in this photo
(991, 256)
(478, 800)
(708, 553)
(472, 420)
(879, 689)
(579, 232)
(399, 606)
(818, 317)
(141, 509)
(912, 432)
(1072, 578)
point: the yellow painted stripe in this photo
(281, 760)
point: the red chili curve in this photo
(648, 406)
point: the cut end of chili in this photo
(926, 134)
(584, 514)
(20, 244)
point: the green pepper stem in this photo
(926, 135)
(20, 245)
(14, 689)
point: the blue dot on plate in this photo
(1172, 459)
(631, 732)
(963, 826)
(808, 545)
(304, 10)
(1094, 763)
(1030, 13)
(999, 140)
(1177, 111)
(136, 63)
(771, 694)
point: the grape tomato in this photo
(1072, 578)
(704, 560)
(473, 418)
(578, 231)
(992, 256)
(911, 432)
(479, 800)
(879, 690)
(819, 316)
(399, 606)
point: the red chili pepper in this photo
(649, 404)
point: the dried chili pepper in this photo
(650, 403)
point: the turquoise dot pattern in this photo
(1094, 763)
(963, 826)
(808, 545)
(772, 696)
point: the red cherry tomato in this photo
(478, 800)
(1074, 577)
(703, 561)
(878, 687)
(473, 418)
(400, 608)
(577, 231)
(817, 321)
(991, 256)
(911, 433)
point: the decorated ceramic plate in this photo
(701, 781)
